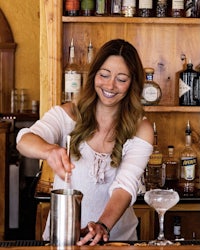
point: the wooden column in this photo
(4, 129)
(50, 53)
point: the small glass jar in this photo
(161, 8)
(72, 7)
(129, 8)
(145, 8)
(177, 8)
(87, 7)
(103, 8)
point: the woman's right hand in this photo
(59, 161)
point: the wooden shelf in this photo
(180, 109)
(138, 20)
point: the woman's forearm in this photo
(116, 206)
(33, 146)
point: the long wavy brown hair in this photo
(130, 111)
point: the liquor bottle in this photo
(188, 165)
(190, 8)
(72, 76)
(187, 90)
(90, 55)
(172, 169)
(161, 8)
(87, 7)
(72, 7)
(145, 8)
(155, 171)
(197, 8)
(103, 8)
(177, 8)
(177, 228)
(116, 7)
(129, 8)
(151, 94)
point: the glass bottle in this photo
(172, 169)
(103, 8)
(177, 228)
(177, 8)
(161, 8)
(116, 7)
(155, 171)
(145, 8)
(72, 76)
(129, 8)
(188, 165)
(151, 94)
(187, 96)
(87, 7)
(197, 8)
(90, 55)
(190, 8)
(72, 7)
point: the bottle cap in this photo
(149, 70)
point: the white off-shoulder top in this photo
(93, 175)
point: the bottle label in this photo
(188, 168)
(178, 4)
(116, 7)
(131, 3)
(177, 230)
(183, 87)
(150, 94)
(155, 159)
(145, 4)
(72, 82)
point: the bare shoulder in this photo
(145, 131)
(69, 108)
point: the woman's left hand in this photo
(94, 232)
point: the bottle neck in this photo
(188, 140)
(149, 77)
(71, 55)
(171, 152)
(90, 55)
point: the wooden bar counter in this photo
(183, 247)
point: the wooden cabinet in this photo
(148, 221)
(4, 130)
(161, 43)
(146, 218)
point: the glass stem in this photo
(161, 226)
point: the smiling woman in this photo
(111, 142)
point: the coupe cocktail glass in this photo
(161, 200)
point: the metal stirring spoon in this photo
(68, 175)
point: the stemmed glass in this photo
(161, 200)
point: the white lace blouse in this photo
(93, 175)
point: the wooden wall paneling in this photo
(50, 53)
(171, 130)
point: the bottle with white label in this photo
(129, 8)
(151, 93)
(177, 8)
(145, 8)
(72, 77)
(188, 86)
(188, 165)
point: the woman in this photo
(111, 142)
